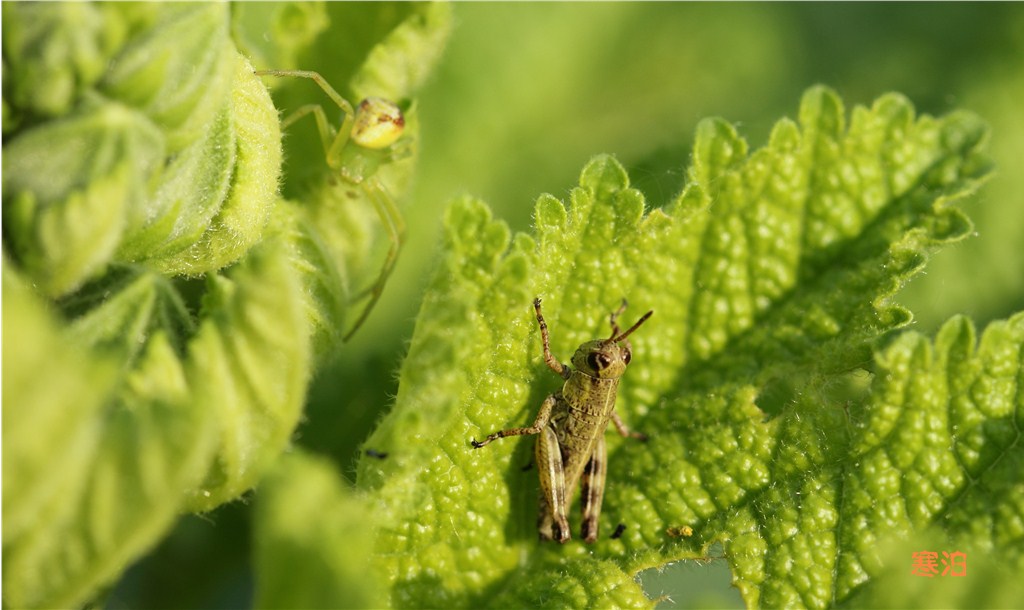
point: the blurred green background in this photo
(527, 93)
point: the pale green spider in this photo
(372, 128)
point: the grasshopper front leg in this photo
(552, 524)
(543, 417)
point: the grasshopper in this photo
(570, 427)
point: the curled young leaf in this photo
(178, 71)
(69, 187)
(95, 459)
(53, 52)
(193, 188)
(249, 363)
(400, 63)
(253, 169)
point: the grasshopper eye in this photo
(598, 360)
(626, 355)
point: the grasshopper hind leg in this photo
(552, 523)
(592, 489)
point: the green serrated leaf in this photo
(249, 363)
(903, 477)
(769, 277)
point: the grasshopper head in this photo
(603, 359)
(607, 358)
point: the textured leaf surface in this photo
(252, 363)
(790, 426)
(179, 170)
(769, 278)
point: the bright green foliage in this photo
(242, 212)
(103, 184)
(773, 428)
(69, 185)
(164, 310)
(308, 517)
(96, 470)
(52, 53)
(178, 73)
(163, 306)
